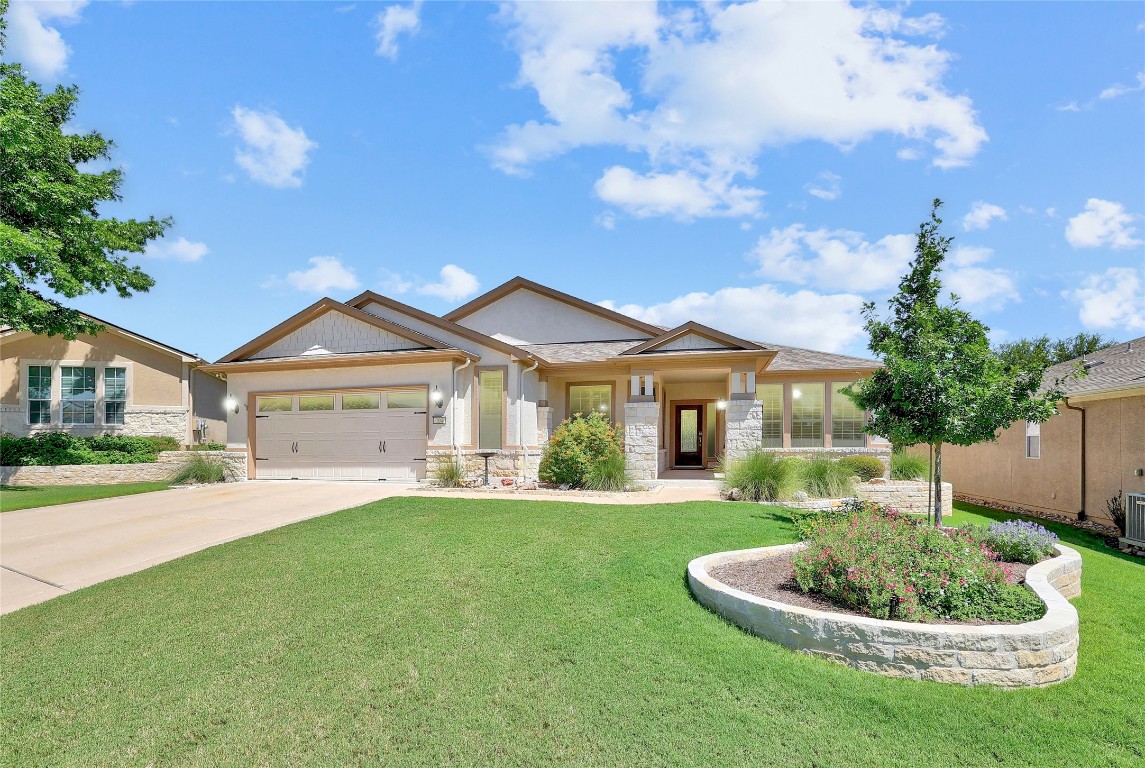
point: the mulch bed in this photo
(772, 578)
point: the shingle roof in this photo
(1117, 367)
(800, 359)
(581, 351)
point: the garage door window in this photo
(406, 400)
(361, 402)
(272, 404)
(316, 403)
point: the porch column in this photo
(744, 416)
(641, 439)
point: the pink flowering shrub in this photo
(891, 567)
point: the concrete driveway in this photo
(50, 551)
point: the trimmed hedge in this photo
(50, 449)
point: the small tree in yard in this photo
(51, 233)
(940, 382)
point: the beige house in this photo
(376, 389)
(117, 382)
(1079, 459)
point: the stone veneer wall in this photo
(110, 474)
(1034, 654)
(142, 420)
(505, 463)
(642, 439)
(743, 431)
(904, 495)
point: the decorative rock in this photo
(877, 481)
(735, 494)
(800, 496)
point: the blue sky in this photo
(758, 168)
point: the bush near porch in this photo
(580, 449)
(763, 476)
(51, 449)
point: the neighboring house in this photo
(375, 389)
(117, 382)
(1076, 461)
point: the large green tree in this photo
(53, 241)
(1044, 351)
(940, 383)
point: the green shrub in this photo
(762, 476)
(199, 468)
(610, 474)
(208, 447)
(54, 448)
(448, 474)
(890, 566)
(908, 466)
(866, 467)
(825, 478)
(576, 446)
(806, 520)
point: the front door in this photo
(689, 436)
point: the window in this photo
(77, 391)
(316, 402)
(807, 415)
(360, 402)
(273, 404)
(710, 426)
(590, 398)
(490, 389)
(416, 399)
(847, 419)
(39, 394)
(1033, 440)
(771, 396)
(114, 395)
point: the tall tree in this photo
(940, 382)
(52, 237)
(1044, 351)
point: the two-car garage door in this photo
(341, 436)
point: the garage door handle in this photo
(381, 446)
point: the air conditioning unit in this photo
(1135, 519)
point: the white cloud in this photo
(830, 322)
(1118, 90)
(180, 249)
(607, 220)
(34, 40)
(718, 85)
(981, 214)
(832, 259)
(682, 194)
(1111, 300)
(326, 273)
(455, 284)
(392, 283)
(272, 152)
(981, 288)
(826, 186)
(908, 153)
(965, 255)
(1102, 223)
(393, 22)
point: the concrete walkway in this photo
(49, 551)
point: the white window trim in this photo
(57, 402)
(1033, 430)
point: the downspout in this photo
(521, 418)
(1081, 512)
(453, 411)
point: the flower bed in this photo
(1031, 654)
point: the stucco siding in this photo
(207, 396)
(1115, 450)
(156, 377)
(532, 318)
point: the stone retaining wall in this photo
(908, 496)
(159, 471)
(504, 463)
(1034, 654)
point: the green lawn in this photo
(13, 497)
(454, 632)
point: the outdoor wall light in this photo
(796, 393)
(436, 397)
(231, 403)
(721, 405)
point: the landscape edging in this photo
(1034, 654)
